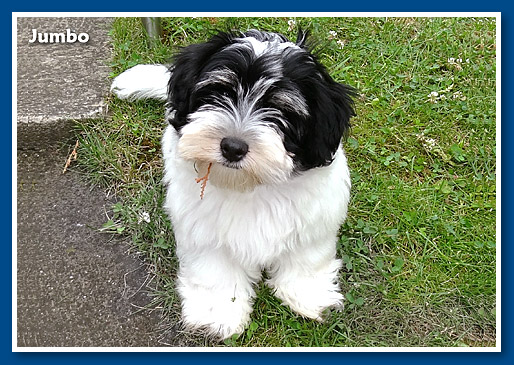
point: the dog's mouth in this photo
(227, 164)
(231, 165)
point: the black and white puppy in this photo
(256, 175)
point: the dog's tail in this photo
(142, 82)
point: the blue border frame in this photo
(255, 357)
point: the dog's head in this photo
(257, 106)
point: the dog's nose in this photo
(233, 149)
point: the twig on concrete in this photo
(73, 155)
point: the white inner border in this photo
(16, 15)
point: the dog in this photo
(256, 176)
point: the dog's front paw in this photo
(220, 321)
(218, 314)
(309, 294)
(310, 300)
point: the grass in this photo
(419, 244)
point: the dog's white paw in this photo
(309, 293)
(310, 300)
(216, 319)
(220, 314)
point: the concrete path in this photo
(76, 286)
(62, 80)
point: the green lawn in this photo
(419, 244)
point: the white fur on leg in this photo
(216, 292)
(142, 82)
(306, 280)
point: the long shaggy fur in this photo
(264, 116)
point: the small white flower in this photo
(340, 43)
(332, 34)
(458, 95)
(291, 23)
(455, 62)
(428, 143)
(433, 97)
(144, 217)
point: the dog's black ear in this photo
(185, 72)
(330, 107)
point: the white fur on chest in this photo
(259, 225)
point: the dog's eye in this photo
(213, 94)
(226, 94)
